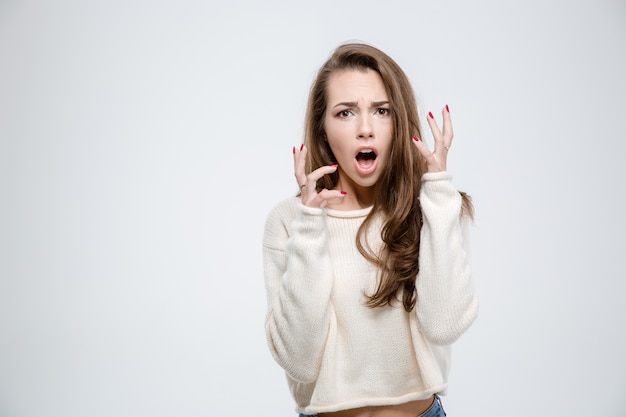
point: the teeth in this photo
(366, 151)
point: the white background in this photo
(142, 143)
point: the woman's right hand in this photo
(308, 183)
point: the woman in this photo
(367, 270)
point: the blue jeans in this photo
(435, 410)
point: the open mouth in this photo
(365, 158)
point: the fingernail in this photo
(430, 115)
(294, 150)
(334, 165)
(415, 138)
(343, 193)
(302, 146)
(447, 108)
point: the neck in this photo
(357, 197)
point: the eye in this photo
(344, 114)
(383, 112)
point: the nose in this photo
(366, 130)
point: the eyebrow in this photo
(355, 103)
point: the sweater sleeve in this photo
(298, 280)
(447, 303)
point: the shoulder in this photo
(284, 210)
(279, 219)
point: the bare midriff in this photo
(410, 409)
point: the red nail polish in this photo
(344, 193)
(294, 150)
(430, 115)
(447, 109)
(302, 146)
(415, 138)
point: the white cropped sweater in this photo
(337, 352)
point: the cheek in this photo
(337, 137)
(337, 130)
(338, 148)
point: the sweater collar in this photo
(349, 213)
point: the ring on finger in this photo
(446, 147)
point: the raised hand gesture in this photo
(308, 183)
(436, 160)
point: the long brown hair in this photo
(397, 199)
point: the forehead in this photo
(356, 85)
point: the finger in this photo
(299, 162)
(308, 188)
(322, 198)
(434, 162)
(327, 195)
(447, 133)
(423, 149)
(315, 175)
(434, 128)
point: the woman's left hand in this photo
(436, 160)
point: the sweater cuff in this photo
(310, 221)
(438, 192)
(437, 176)
(311, 211)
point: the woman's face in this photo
(358, 126)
